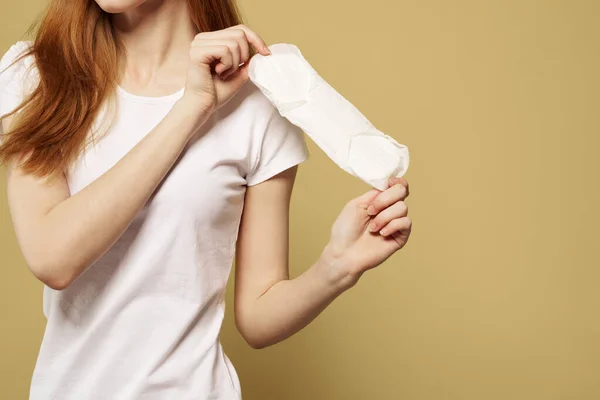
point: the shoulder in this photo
(18, 76)
(16, 59)
(18, 72)
(18, 49)
(249, 106)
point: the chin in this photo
(119, 6)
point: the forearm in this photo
(81, 228)
(290, 305)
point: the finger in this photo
(225, 61)
(253, 38)
(401, 236)
(244, 46)
(399, 181)
(387, 198)
(244, 51)
(210, 54)
(364, 200)
(402, 225)
(237, 35)
(234, 49)
(395, 211)
(238, 78)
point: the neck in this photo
(155, 34)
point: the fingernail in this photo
(267, 51)
(371, 210)
(383, 232)
(372, 227)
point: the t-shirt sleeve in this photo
(14, 78)
(281, 147)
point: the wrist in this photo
(336, 270)
(195, 106)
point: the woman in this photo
(138, 158)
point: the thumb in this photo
(364, 200)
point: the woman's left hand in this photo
(368, 231)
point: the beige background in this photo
(496, 295)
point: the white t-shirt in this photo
(143, 321)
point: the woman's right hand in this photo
(214, 74)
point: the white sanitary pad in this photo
(331, 121)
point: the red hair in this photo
(77, 55)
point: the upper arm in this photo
(276, 148)
(29, 199)
(262, 247)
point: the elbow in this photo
(54, 280)
(53, 259)
(57, 283)
(55, 275)
(256, 342)
(254, 338)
